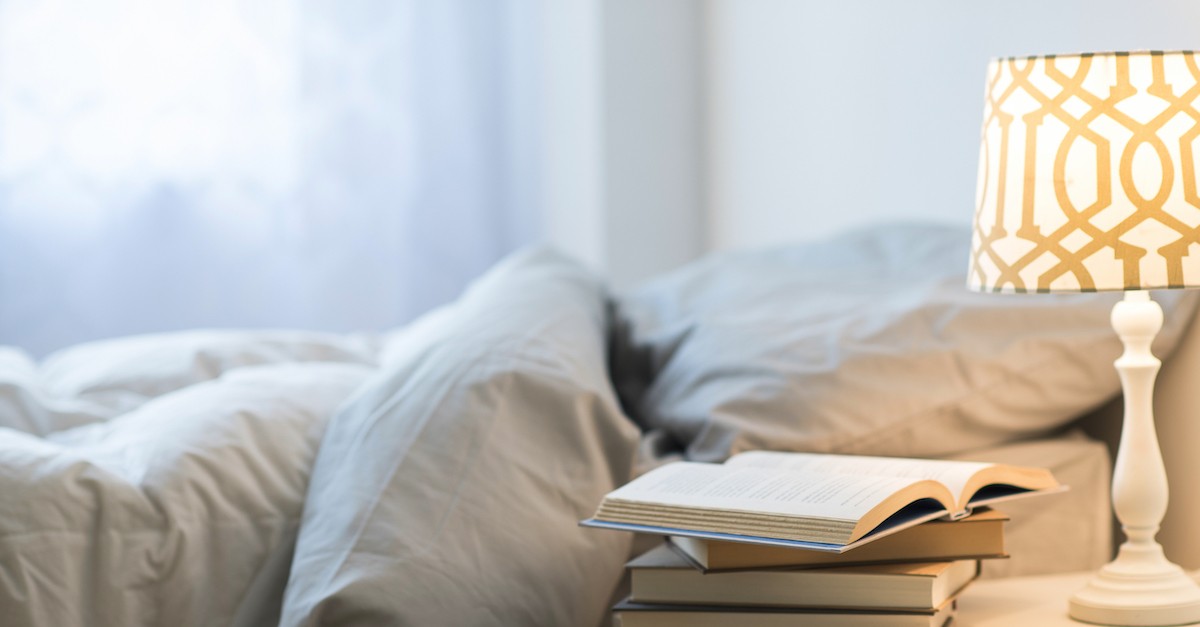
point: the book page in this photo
(760, 490)
(952, 474)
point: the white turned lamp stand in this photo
(1139, 587)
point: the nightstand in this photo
(1039, 601)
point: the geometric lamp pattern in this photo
(1087, 174)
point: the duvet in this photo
(433, 475)
(161, 481)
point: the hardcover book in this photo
(978, 536)
(663, 576)
(629, 614)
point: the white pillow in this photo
(866, 343)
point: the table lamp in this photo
(1088, 182)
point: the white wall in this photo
(623, 133)
(654, 134)
(571, 133)
(674, 127)
(826, 115)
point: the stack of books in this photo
(782, 539)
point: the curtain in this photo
(169, 164)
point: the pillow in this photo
(867, 343)
(448, 491)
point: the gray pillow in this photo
(449, 490)
(867, 343)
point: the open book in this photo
(822, 502)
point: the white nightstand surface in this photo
(1033, 601)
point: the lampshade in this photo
(1087, 174)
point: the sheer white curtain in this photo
(167, 164)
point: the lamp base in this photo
(1139, 588)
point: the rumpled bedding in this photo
(434, 475)
(431, 475)
(166, 490)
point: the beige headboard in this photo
(1177, 416)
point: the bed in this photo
(434, 474)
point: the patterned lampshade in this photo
(1087, 174)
